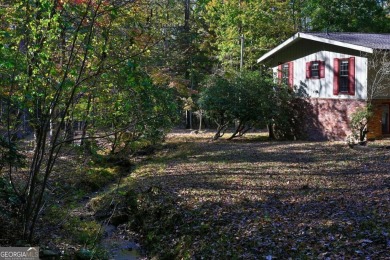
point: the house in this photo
(338, 72)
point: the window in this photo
(315, 69)
(285, 74)
(344, 76)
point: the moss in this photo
(96, 178)
(85, 232)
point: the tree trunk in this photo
(200, 120)
(271, 133)
(85, 125)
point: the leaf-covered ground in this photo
(254, 199)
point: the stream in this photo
(119, 243)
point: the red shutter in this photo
(280, 74)
(351, 76)
(322, 69)
(291, 74)
(308, 65)
(336, 69)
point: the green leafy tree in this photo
(134, 110)
(346, 16)
(248, 100)
(56, 61)
(262, 23)
(180, 58)
(216, 99)
(253, 106)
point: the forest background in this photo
(116, 76)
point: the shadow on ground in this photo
(253, 200)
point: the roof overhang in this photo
(298, 36)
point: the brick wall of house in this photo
(328, 119)
(375, 123)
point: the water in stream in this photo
(119, 244)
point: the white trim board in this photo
(313, 38)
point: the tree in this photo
(248, 100)
(56, 60)
(180, 59)
(134, 110)
(346, 16)
(216, 100)
(263, 24)
(378, 74)
(253, 106)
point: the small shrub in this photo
(358, 124)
